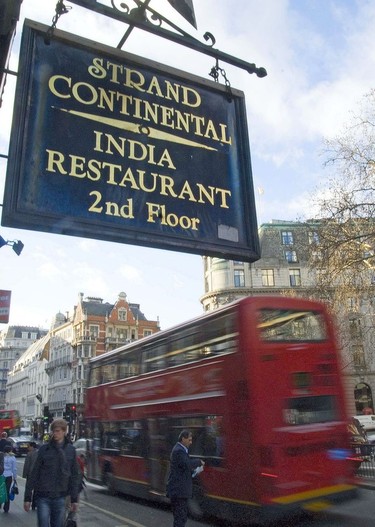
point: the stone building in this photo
(14, 341)
(283, 269)
(27, 386)
(53, 371)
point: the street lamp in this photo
(16, 245)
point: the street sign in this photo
(4, 306)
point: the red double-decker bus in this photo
(10, 421)
(258, 384)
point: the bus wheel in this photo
(195, 503)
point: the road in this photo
(99, 509)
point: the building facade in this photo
(14, 341)
(53, 372)
(284, 269)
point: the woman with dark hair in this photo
(10, 472)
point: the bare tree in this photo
(344, 260)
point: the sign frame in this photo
(28, 204)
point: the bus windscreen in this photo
(290, 325)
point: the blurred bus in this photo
(10, 421)
(257, 382)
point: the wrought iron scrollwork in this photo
(123, 7)
(209, 36)
(146, 18)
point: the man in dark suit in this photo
(180, 482)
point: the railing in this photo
(366, 453)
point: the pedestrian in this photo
(180, 480)
(82, 467)
(10, 472)
(54, 477)
(4, 441)
(28, 467)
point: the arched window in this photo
(363, 398)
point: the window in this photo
(291, 325)
(287, 238)
(313, 237)
(239, 278)
(309, 410)
(219, 263)
(355, 329)
(295, 277)
(268, 279)
(208, 440)
(290, 256)
(122, 314)
(132, 439)
(94, 331)
(359, 357)
(353, 305)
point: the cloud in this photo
(130, 273)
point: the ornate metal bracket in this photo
(144, 17)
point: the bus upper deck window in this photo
(288, 325)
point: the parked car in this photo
(367, 421)
(370, 432)
(82, 446)
(20, 445)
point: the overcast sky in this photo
(320, 59)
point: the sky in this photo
(320, 59)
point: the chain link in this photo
(215, 72)
(60, 9)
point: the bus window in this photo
(131, 438)
(291, 325)
(110, 439)
(154, 357)
(214, 337)
(208, 442)
(95, 376)
(128, 366)
(310, 410)
(109, 372)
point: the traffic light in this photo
(70, 411)
(46, 418)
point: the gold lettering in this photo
(55, 162)
(52, 85)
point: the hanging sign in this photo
(4, 306)
(111, 146)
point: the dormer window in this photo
(122, 314)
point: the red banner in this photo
(4, 306)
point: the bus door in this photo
(158, 454)
(93, 465)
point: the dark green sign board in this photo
(111, 146)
